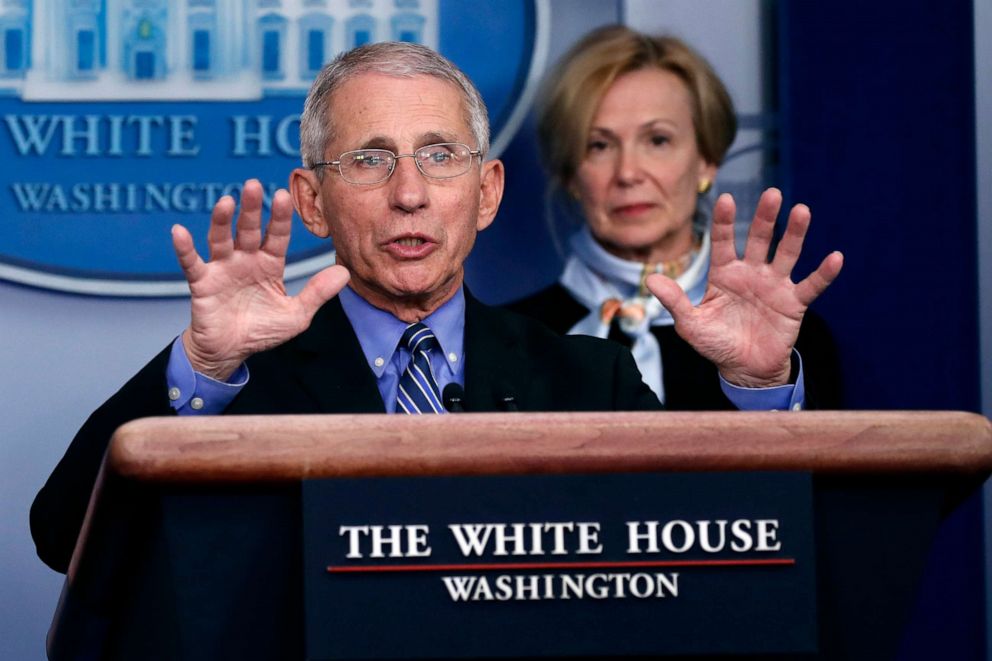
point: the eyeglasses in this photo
(372, 166)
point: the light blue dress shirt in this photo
(379, 334)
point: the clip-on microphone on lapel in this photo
(506, 398)
(454, 398)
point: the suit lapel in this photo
(333, 368)
(333, 371)
(495, 364)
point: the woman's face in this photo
(639, 179)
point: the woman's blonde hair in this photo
(573, 90)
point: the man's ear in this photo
(490, 193)
(304, 186)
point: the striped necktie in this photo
(418, 391)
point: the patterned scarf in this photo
(613, 288)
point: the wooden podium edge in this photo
(286, 448)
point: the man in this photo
(393, 138)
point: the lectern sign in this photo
(559, 566)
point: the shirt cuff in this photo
(790, 397)
(193, 393)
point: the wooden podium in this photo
(192, 543)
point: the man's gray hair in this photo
(392, 58)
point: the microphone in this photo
(454, 398)
(505, 396)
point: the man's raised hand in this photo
(239, 305)
(748, 321)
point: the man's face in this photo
(404, 240)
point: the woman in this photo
(632, 130)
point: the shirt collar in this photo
(379, 332)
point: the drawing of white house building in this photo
(190, 49)
(15, 20)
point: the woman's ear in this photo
(707, 173)
(572, 188)
(304, 186)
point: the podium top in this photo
(288, 448)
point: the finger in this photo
(722, 250)
(791, 246)
(759, 236)
(248, 232)
(219, 235)
(808, 290)
(671, 296)
(280, 225)
(322, 287)
(189, 260)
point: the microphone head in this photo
(506, 398)
(454, 398)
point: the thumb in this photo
(668, 292)
(322, 287)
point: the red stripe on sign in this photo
(770, 562)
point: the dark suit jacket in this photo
(323, 370)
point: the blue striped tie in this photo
(418, 391)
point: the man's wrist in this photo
(194, 393)
(217, 370)
(788, 397)
(743, 379)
